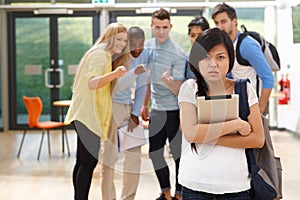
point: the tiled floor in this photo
(50, 178)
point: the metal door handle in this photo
(61, 77)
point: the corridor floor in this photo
(50, 178)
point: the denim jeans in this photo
(188, 194)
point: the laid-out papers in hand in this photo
(213, 109)
(128, 140)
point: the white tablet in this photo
(213, 109)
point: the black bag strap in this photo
(239, 58)
(256, 36)
(243, 27)
(240, 88)
(252, 166)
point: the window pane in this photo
(296, 23)
(252, 18)
(75, 38)
(32, 59)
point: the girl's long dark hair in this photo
(202, 45)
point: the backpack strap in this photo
(256, 36)
(239, 58)
(243, 27)
(242, 61)
(240, 88)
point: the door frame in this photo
(53, 26)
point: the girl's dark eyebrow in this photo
(221, 53)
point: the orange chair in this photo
(34, 108)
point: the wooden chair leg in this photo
(41, 143)
(21, 145)
(49, 147)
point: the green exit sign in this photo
(101, 2)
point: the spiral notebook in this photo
(213, 109)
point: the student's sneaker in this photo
(162, 197)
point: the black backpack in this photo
(269, 50)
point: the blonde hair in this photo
(107, 41)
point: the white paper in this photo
(128, 140)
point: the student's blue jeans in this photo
(164, 125)
(188, 194)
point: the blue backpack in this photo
(264, 168)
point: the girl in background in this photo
(195, 28)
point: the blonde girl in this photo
(91, 107)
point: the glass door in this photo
(44, 53)
(75, 38)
